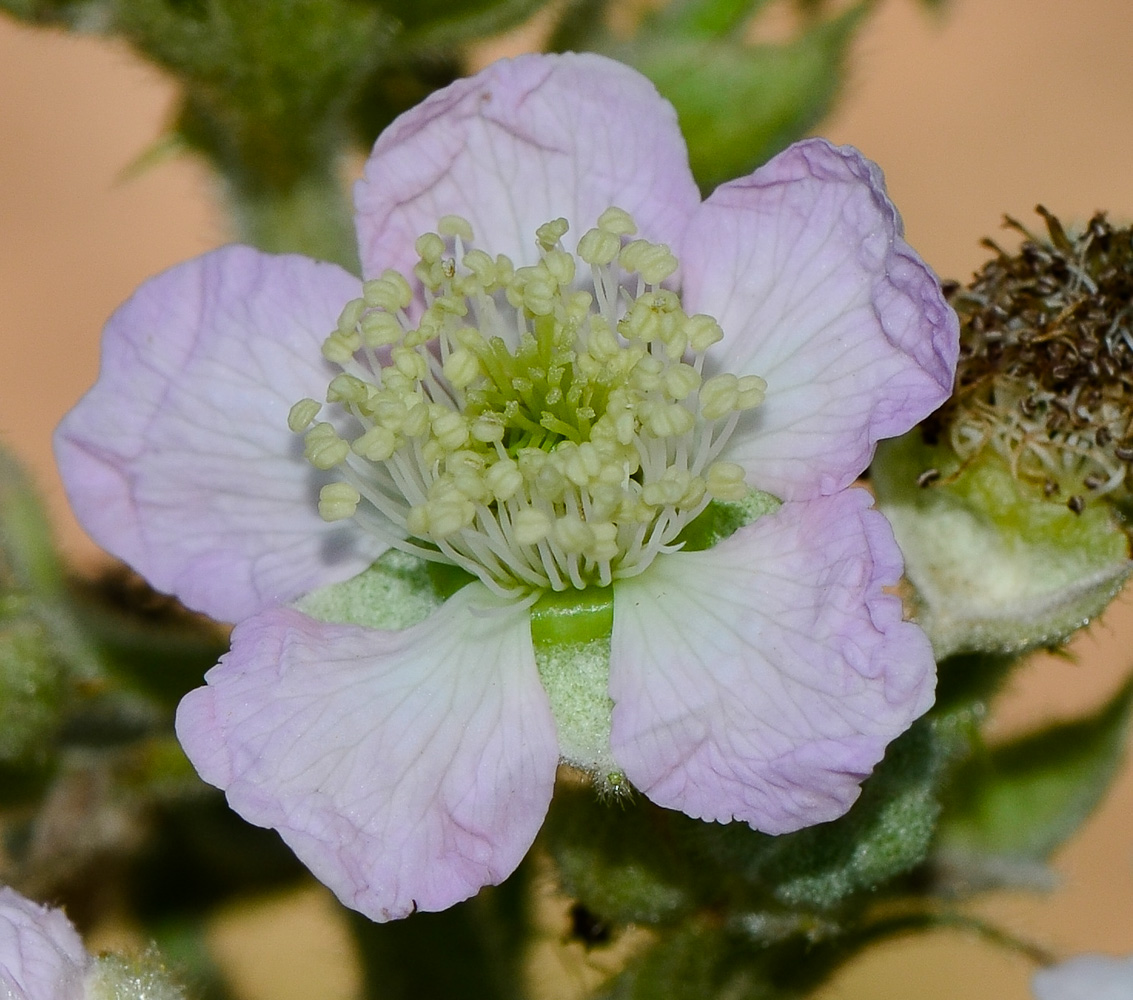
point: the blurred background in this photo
(990, 106)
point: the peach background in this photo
(992, 107)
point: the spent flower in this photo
(1009, 502)
(625, 420)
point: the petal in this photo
(804, 266)
(179, 460)
(1086, 977)
(523, 142)
(405, 769)
(41, 954)
(762, 679)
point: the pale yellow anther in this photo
(703, 331)
(680, 380)
(461, 368)
(417, 521)
(411, 364)
(697, 487)
(338, 501)
(380, 329)
(602, 343)
(505, 269)
(623, 425)
(549, 234)
(617, 221)
(577, 305)
(573, 534)
(504, 479)
(718, 396)
(450, 429)
(323, 448)
(388, 411)
(378, 444)
(350, 315)
(560, 264)
(604, 547)
(531, 526)
(668, 490)
(752, 390)
(430, 274)
(430, 248)
(455, 225)
(416, 420)
(347, 389)
(447, 517)
(540, 293)
(390, 291)
(581, 464)
(339, 347)
(482, 268)
(300, 415)
(599, 247)
(465, 460)
(653, 261)
(488, 428)
(472, 486)
(471, 339)
(667, 419)
(676, 342)
(647, 375)
(726, 481)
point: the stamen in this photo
(538, 435)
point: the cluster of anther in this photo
(543, 427)
(1046, 361)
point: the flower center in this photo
(537, 434)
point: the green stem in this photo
(313, 217)
(909, 923)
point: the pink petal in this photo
(521, 143)
(41, 954)
(405, 769)
(179, 460)
(762, 679)
(804, 266)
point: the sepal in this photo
(995, 565)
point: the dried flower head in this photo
(1046, 361)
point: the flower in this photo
(41, 954)
(42, 958)
(524, 390)
(1086, 977)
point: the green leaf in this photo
(440, 24)
(783, 90)
(704, 18)
(1021, 800)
